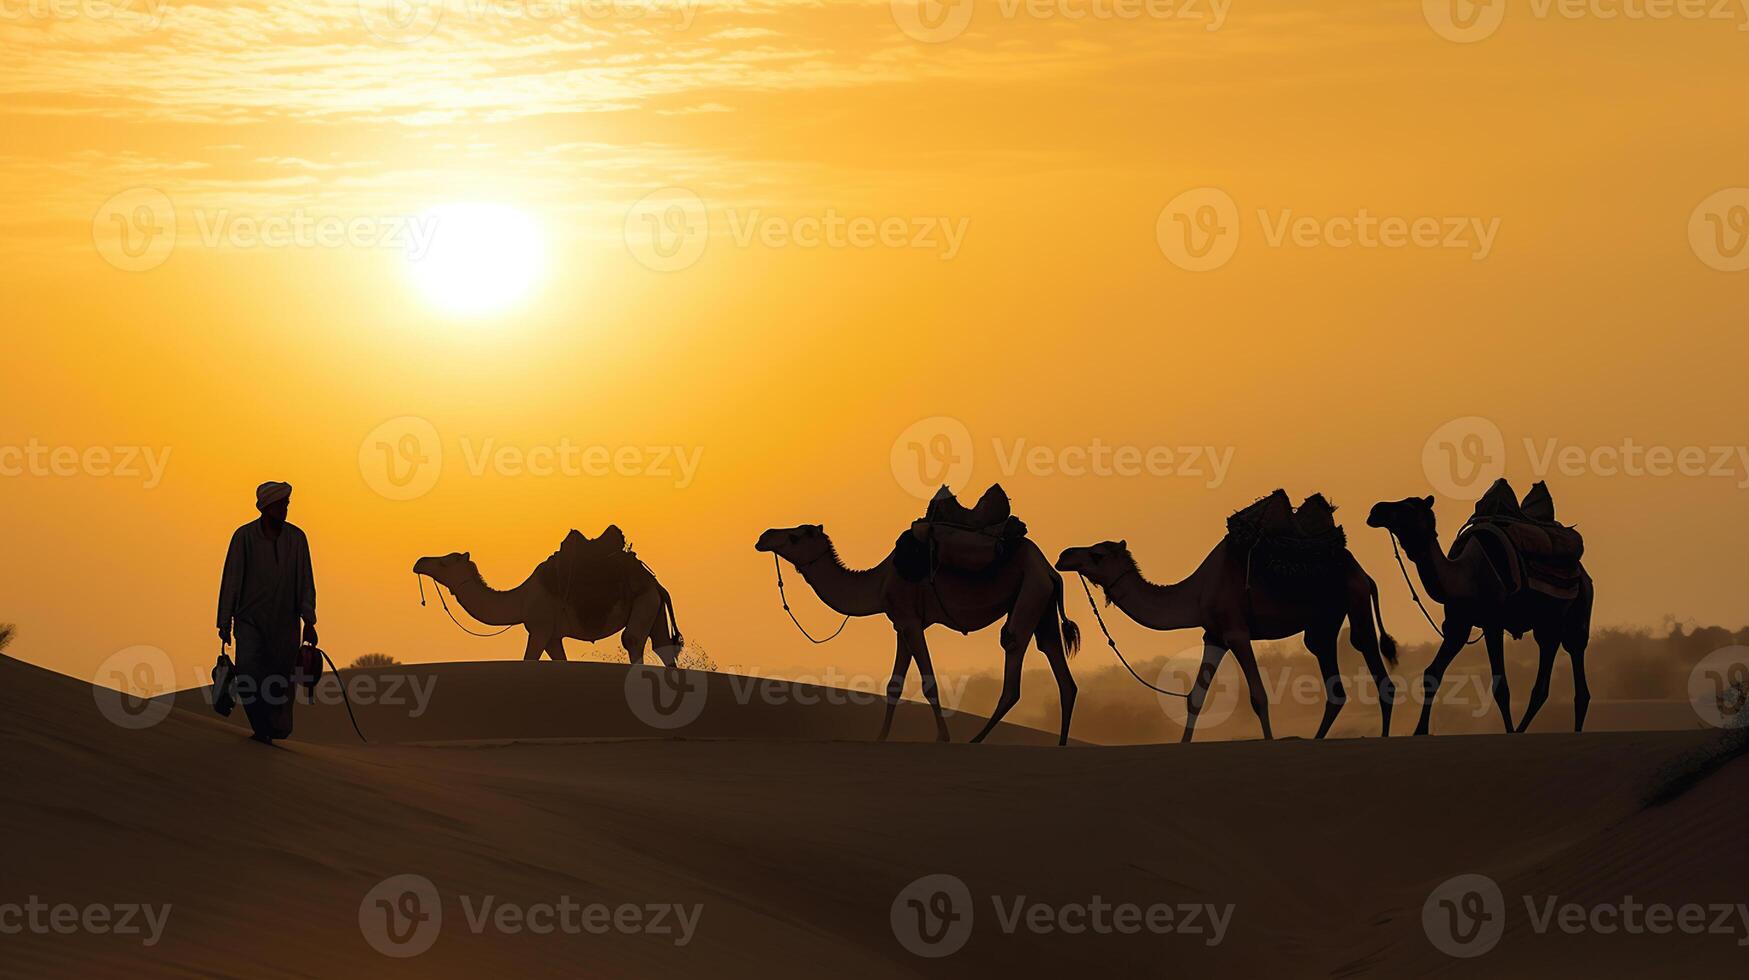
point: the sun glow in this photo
(477, 258)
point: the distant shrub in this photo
(375, 660)
(7, 632)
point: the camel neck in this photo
(848, 591)
(488, 605)
(1159, 607)
(1436, 571)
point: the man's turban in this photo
(270, 493)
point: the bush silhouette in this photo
(7, 632)
(375, 660)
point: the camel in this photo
(647, 614)
(1216, 599)
(1473, 595)
(1023, 588)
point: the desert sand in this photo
(793, 835)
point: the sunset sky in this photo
(709, 265)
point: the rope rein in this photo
(792, 616)
(1113, 643)
(445, 603)
(1416, 595)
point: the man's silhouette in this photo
(268, 587)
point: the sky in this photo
(471, 275)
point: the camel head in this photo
(799, 546)
(1410, 519)
(457, 566)
(1103, 563)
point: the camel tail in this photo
(674, 624)
(1387, 644)
(1071, 632)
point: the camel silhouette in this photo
(644, 614)
(1470, 587)
(1023, 588)
(1231, 614)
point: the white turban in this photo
(270, 493)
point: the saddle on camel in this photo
(1282, 543)
(592, 574)
(951, 535)
(1528, 547)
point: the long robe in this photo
(269, 585)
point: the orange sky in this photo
(1033, 291)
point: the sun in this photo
(471, 259)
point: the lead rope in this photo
(452, 618)
(1415, 595)
(1113, 643)
(347, 698)
(792, 616)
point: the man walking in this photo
(267, 589)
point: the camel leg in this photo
(1547, 645)
(1323, 646)
(537, 642)
(1455, 634)
(1050, 643)
(1253, 682)
(1576, 636)
(1497, 664)
(556, 649)
(896, 685)
(640, 620)
(1212, 653)
(1014, 655)
(662, 639)
(931, 692)
(1364, 638)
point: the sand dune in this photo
(794, 847)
